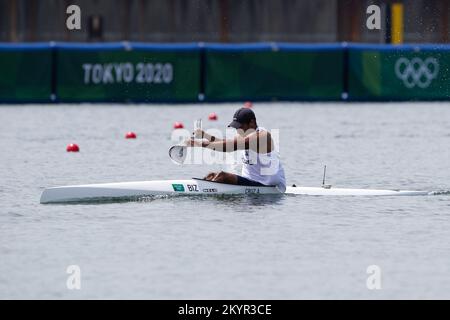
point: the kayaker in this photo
(261, 164)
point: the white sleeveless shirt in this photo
(264, 168)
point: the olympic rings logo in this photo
(417, 72)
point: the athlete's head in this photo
(244, 120)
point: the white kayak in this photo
(135, 190)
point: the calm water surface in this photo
(231, 247)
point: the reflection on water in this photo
(252, 200)
(225, 200)
(221, 200)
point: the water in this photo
(240, 247)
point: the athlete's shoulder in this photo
(262, 133)
(258, 134)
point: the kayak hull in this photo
(77, 193)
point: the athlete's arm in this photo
(260, 142)
(230, 145)
(199, 133)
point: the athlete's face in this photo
(244, 127)
(247, 128)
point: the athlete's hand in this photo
(191, 142)
(198, 133)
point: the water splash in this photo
(440, 193)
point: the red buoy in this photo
(178, 125)
(130, 135)
(72, 148)
(248, 104)
(212, 116)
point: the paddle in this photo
(178, 152)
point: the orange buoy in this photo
(178, 125)
(72, 148)
(130, 135)
(212, 116)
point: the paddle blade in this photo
(197, 124)
(178, 154)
